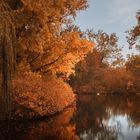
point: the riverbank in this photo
(41, 97)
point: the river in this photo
(91, 118)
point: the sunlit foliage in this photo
(41, 39)
(48, 40)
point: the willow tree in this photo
(7, 58)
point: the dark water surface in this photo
(92, 118)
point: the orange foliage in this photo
(47, 45)
(117, 80)
(133, 66)
(46, 40)
(33, 96)
(93, 76)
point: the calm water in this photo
(92, 118)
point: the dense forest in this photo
(46, 59)
(104, 70)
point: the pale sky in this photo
(111, 16)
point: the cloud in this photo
(122, 10)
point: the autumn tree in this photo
(117, 80)
(40, 38)
(48, 41)
(133, 66)
(133, 37)
(107, 46)
(90, 73)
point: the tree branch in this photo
(48, 64)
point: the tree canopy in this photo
(48, 40)
(39, 37)
(133, 37)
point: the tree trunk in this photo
(7, 59)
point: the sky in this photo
(110, 16)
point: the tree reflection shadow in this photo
(93, 113)
(89, 120)
(54, 128)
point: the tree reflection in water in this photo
(93, 118)
(56, 128)
(94, 114)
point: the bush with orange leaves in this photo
(35, 96)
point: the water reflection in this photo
(93, 118)
(56, 128)
(108, 118)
